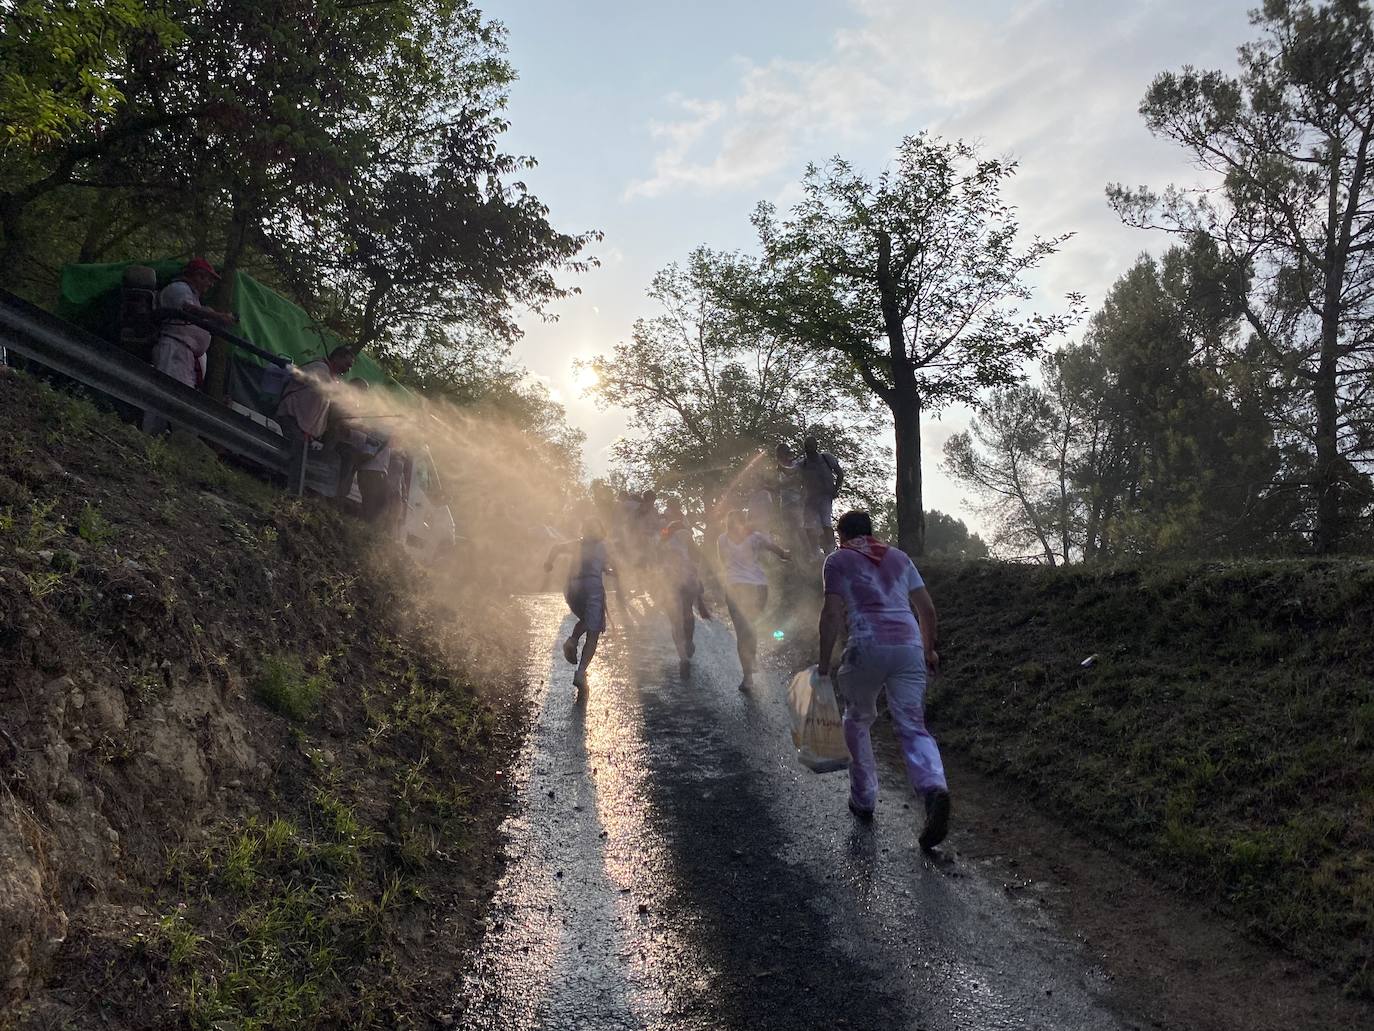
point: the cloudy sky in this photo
(662, 124)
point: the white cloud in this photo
(1055, 83)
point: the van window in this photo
(423, 476)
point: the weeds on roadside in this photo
(303, 925)
(284, 687)
(92, 527)
(44, 528)
(41, 585)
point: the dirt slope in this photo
(245, 779)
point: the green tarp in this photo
(90, 298)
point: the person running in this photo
(679, 565)
(822, 480)
(585, 593)
(746, 584)
(892, 632)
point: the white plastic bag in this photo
(816, 728)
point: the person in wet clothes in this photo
(585, 593)
(876, 590)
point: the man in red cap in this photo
(181, 345)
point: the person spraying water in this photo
(746, 584)
(585, 593)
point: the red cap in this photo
(199, 265)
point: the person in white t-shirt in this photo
(181, 346)
(876, 589)
(746, 584)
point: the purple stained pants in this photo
(864, 671)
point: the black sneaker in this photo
(937, 819)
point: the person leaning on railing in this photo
(181, 345)
(303, 411)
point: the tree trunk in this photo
(222, 297)
(911, 514)
(12, 246)
(1326, 480)
(905, 402)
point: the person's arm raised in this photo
(555, 552)
(210, 313)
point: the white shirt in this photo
(877, 596)
(306, 398)
(741, 559)
(177, 295)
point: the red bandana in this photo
(869, 547)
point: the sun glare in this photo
(584, 378)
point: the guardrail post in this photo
(299, 455)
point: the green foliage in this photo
(61, 63)
(92, 527)
(44, 526)
(708, 391)
(185, 458)
(1144, 440)
(355, 160)
(1288, 212)
(300, 928)
(948, 539)
(851, 271)
(284, 686)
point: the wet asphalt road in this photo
(672, 866)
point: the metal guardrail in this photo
(71, 351)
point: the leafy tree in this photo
(947, 537)
(950, 538)
(1007, 456)
(60, 63)
(915, 280)
(346, 152)
(709, 390)
(1289, 140)
(1146, 438)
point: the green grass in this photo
(92, 527)
(284, 686)
(305, 924)
(1224, 732)
(297, 920)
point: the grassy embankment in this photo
(249, 786)
(1224, 734)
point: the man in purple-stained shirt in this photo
(876, 590)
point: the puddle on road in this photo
(580, 940)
